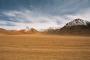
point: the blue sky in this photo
(41, 14)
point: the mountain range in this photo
(75, 27)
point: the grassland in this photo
(44, 47)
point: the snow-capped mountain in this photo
(77, 26)
(77, 22)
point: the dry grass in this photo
(44, 47)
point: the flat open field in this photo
(44, 47)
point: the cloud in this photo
(83, 14)
(27, 16)
(18, 16)
(6, 23)
(50, 7)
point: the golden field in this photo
(44, 47)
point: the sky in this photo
(41, 14)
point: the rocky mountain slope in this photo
(77, 26)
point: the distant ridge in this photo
(15, 32)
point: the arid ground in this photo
(44, 47)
